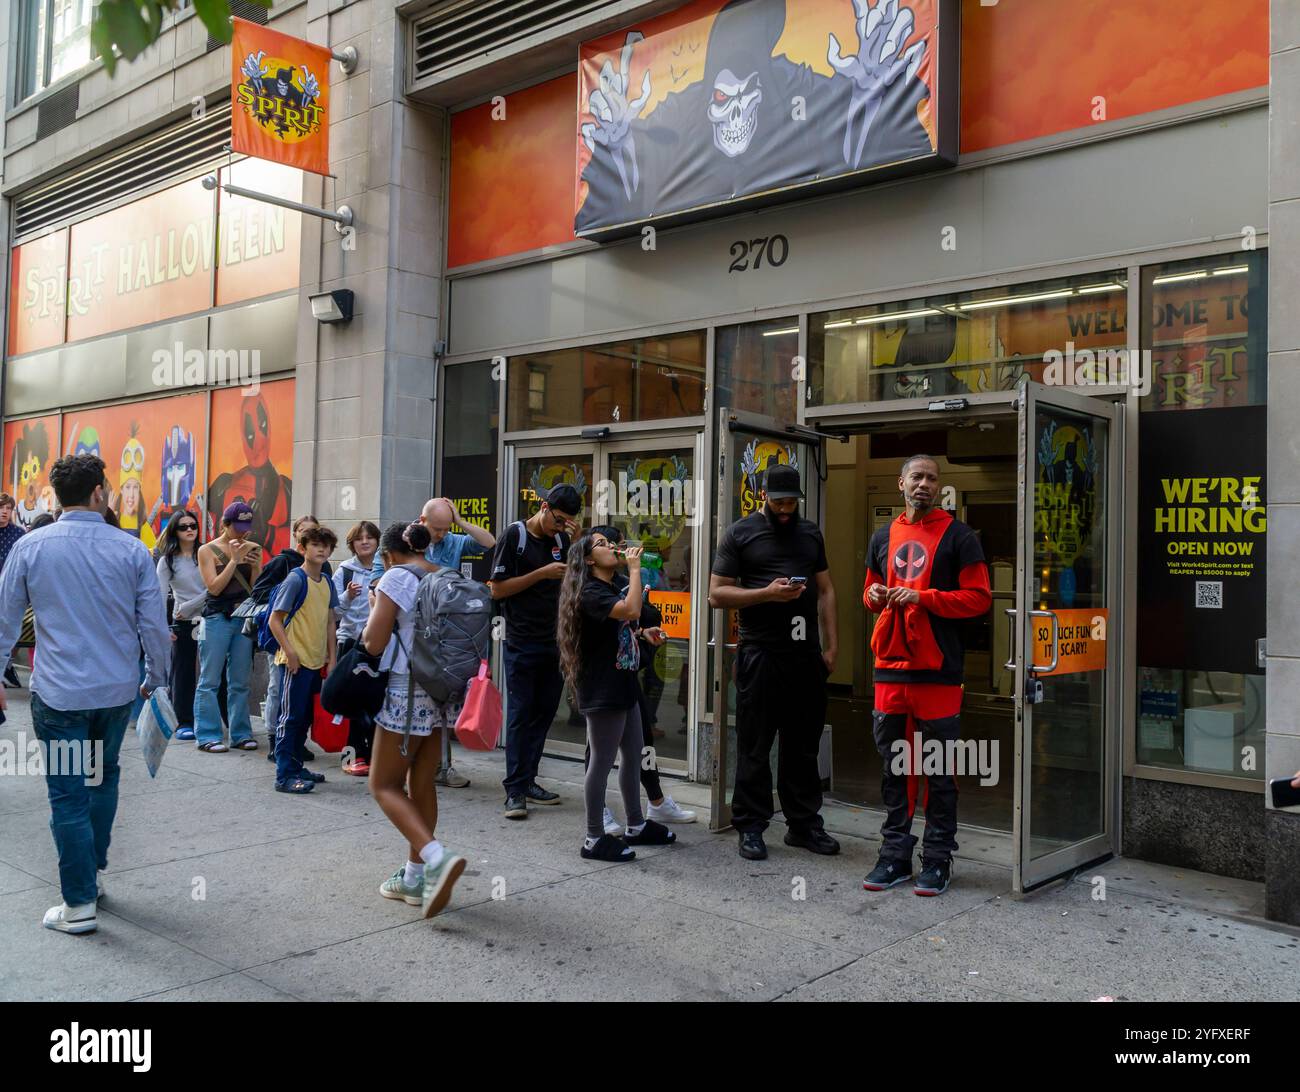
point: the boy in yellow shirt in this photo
(303, 624)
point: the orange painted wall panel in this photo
(1030, 68)
(512, 179)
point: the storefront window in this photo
(754, 364)
(56, 41)
(646, 379)
(942, 346)
(1202, 492)
(469, 451)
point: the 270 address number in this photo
(775, 248)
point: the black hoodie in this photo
(276, 570)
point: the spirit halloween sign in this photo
(1201, 553)
(281, 92)
(719, 101)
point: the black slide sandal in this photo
(652, 834)
(608, 848)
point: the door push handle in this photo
(1056, 642)
(1010, 612)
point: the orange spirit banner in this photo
(281, 93)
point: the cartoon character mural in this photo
(257, 482)
(29, 470)
(178, 476)
(1065, 499)
(756, 120)
(128, 501)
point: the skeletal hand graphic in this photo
(252, 68)
(614, 115)
(875, 67)
(310, 88)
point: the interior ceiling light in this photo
(1181, 277)
(1009, 301)
(895, 316)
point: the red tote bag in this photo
(328, 732)
(479, 725)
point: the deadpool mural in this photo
(258, 482)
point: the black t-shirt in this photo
(602, 684)
(531, 614)
(753, 552)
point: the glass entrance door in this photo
(750, 444)
(1066, 669)
(648, 489)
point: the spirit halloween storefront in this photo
(1099, 421)
(157, 331)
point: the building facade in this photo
(657, 320)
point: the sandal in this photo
(215, 747)
(249, 744)
(652, 834)
(185, 732)
(295, 785)
(608, 848)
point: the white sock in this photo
(414, 873)
(633, 831)
(589, 842)
(432, 853)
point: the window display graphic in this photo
(719, 101)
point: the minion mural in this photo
(129, 501)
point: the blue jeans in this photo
(534, 686)
(224, 649)
(83, 801)
(293, 718)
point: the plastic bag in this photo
(155, 726)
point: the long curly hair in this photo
(568, 627)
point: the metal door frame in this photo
(1027, 873)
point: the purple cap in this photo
(239, 514)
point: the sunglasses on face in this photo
(187, 527)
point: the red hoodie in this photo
(942, 559)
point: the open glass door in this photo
(1066, 671)
(748, 445)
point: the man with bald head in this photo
(440, 515)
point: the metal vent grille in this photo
(468, 30)
(58, 111)
(169, 153)
(240, 9)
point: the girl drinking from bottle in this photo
(599, 656)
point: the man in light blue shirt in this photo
(96, 602)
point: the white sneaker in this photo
(453, 780)
(669, 812)
(99, 885)
(612, 825)
(71, 919)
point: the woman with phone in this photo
(599, 656)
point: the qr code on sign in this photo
(1209, 593)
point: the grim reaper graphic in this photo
(756, 121)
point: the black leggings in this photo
(184, 672)
(649, 778)
(361, 729)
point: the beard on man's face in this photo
(781, 521)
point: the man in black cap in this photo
(771, 566)
(526, 573)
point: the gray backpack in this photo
(453, 620)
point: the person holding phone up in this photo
(771, 566)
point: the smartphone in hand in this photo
(1284, 795)
(798, 581)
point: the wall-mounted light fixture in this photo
(333, 306)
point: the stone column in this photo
(1282, 740)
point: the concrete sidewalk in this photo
(221, 889)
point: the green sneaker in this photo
(439, 881)
(395, 888)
